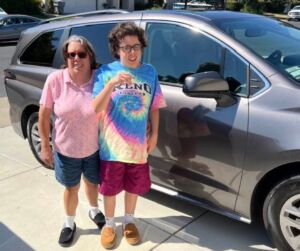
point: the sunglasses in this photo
(129, 48)
(72, 55)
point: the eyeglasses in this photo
(129, 48)
(72, 55)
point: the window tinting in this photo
(256, 82)
(274, 41)
(42, 50)
(235, 73)
(98, 35)
(176, 52)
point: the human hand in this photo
(121, 79)
(151, 142)
(47, 156)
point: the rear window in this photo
(42, 51)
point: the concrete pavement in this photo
(31, 214)
(4, 112)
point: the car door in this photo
(7, 29)
(201, 144)
(14, 28)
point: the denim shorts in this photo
(68, 170)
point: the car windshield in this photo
(277, 42)
(296, 8)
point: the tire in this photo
(281, 215)
(34, 139)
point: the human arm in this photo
(44, 131)
(102, 99)
(153, 132)
(157, 103)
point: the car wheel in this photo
(34, 139)
(281, 214)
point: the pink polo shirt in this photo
(75, 132)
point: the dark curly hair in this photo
(122, 30)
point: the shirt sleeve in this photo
(47, 94)
(99, 83)
(158, 98)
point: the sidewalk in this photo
(31, 214)
(278, 16)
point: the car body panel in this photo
(195, 137)
(271, 143)
(11, 26)
(24, 96)
(294, 13)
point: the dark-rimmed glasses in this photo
(72, 55)
(129, 48)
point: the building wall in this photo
(75, 6)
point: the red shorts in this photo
(118, 176)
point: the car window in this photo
(42, 50)
(8, 21)
(276, 42)
(100, 43)
(235, 73)
(22, 20)
(28, 20)
(176, 52)
(257, 82)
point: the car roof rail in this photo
(84, 14)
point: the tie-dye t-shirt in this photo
(123, 126)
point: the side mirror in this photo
(208, 85)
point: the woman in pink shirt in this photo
(67, 95)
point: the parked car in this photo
(229, 138)
(294, 14)
(192, 5)
(2, 12)
(11, 26)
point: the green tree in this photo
(252, 6)
(21, 6)
(276, 6)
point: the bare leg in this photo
(71, 200)
(91, 191)
(109, 206)
(130, 202)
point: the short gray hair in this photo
(87, 46)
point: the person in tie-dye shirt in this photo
(127, 96)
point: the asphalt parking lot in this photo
(31, 211)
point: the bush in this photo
(252, 6)
(276, 6)
(234, 6)
(31, 7)
(50, 7)
(152, 4)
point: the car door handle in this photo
(9, 75)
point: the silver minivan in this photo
(229, 138)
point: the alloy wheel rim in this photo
(290, 221)
(36, 139)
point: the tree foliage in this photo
(252, 6)
(21, 6)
